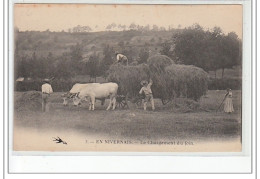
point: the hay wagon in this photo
(121, 101)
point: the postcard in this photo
(127, 77)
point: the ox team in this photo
(93, 91)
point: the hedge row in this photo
(223, 84)
(57, 85)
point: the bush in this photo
(27, 86)
(223, 84)
(57, 85)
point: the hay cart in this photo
(121, 101)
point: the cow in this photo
(74, 92)
(98, 91)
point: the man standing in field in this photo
(46, 91)
(146, 89)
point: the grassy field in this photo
(165, 123)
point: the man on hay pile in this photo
(146, 89)
(46, 91)
(120, 58)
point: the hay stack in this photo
(29, 101)
(157, 65)
(169, 79)
(128, 78)
(187, 80)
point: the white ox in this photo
(74, 92)
(99, 91)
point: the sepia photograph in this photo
(127, 78)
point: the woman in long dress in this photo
(228, 105)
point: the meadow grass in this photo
(134, 123)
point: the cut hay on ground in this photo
(185, 105)
(29, 101)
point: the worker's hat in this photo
(144, 82)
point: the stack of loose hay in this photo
(29, 101)
(169, 79)
(187, 81)
(128, 78)
(157, 65)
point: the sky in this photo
(58, 17)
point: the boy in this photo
(146, 89)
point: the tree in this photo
(192, 47)
(62, 68)
(210, 50)
(93, 66)
(143, 55)
(132, 26)
(108, 60)
(230, 52)
(155, 28)
(121, 44)
(111, 26)
(147, 27)
(162, 29)
(75, 59)
(86, 29)
(108, 27)
(167, 50)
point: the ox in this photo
(74, 92)
(99, 91)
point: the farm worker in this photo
(120, 58)
(228, 104)
(46, 91)
(146, 89)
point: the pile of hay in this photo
(157, 65)
(29, 101)
(185, 105)
(187, 81)
(169, 79)
(128, 78)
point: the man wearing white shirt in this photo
(46, 91)
(120, 58)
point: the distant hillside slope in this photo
(59, 42)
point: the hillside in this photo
(59, 42)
